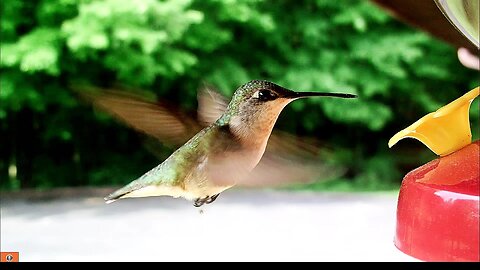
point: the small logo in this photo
(9, 257)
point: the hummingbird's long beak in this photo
(296, 95)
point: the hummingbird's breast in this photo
(220, 160)
(220, 156)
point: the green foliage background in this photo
(48, 138)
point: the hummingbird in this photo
(225, 146)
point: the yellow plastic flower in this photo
(444, 131)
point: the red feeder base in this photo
(438, 208)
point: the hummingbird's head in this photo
(257, 104)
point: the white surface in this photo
(239, 226)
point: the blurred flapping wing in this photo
(158, 119)
(290, 159)
(211, 105)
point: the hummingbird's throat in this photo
(253, 126)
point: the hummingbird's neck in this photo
(254, 128)
(252, 134)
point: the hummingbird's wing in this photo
(275, 171)
(292, 159)
(211, 105)
(159, 119)
(288, 159)
(144, 113)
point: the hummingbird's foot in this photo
(199, 202)
(212, 198)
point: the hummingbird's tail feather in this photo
(119, 193)
(147, 186)
(133, 190)
(109, 201)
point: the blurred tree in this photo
(170, 47)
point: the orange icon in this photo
(9, 256)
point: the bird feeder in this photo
(438, 205)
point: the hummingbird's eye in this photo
(264, 95)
